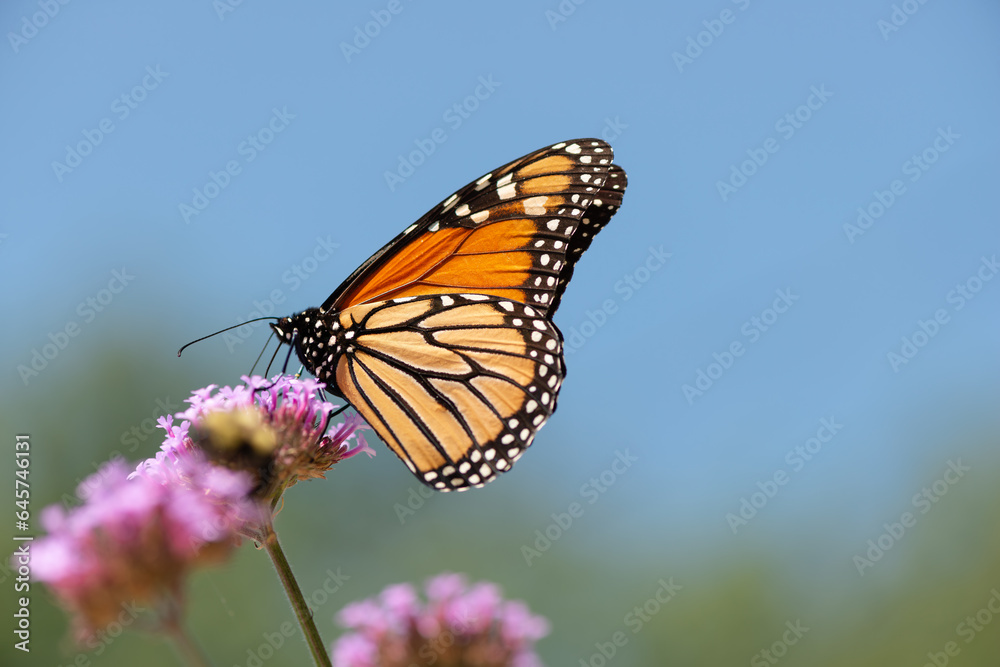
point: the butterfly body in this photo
(443, 340)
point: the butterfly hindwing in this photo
(456, 385)
(511, 233)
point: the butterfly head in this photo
(294, 329)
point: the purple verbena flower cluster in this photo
(277, 430)
(138, 535)
(459, 625)
(135, 540)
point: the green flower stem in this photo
(295, 596)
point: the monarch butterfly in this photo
(443, 340)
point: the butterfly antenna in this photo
(263, 350)
(235, 326)
(291, 346)
(288, 357)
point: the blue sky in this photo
(758, 137)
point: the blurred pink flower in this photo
(134, 540)
(459, 625)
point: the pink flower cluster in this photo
(138, 535)
(287, 413)
(134, 541)
(472, 626)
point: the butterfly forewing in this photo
(505, 234)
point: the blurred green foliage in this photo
(737, 597)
